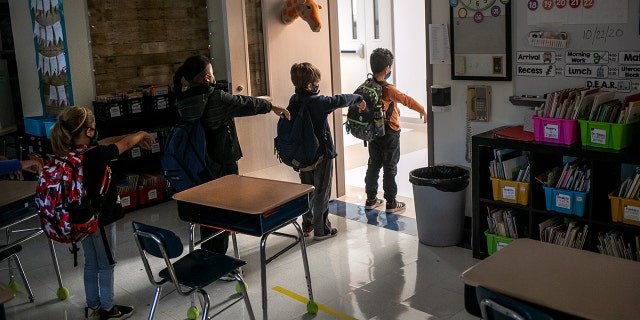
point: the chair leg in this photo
(205, 303)
(245, 294)
(24, 277)
(156, 297)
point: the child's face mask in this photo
(387, 76)
(94, 139)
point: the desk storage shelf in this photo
(606, 176)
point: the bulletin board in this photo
(562, 44)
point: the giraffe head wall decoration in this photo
(308, 10)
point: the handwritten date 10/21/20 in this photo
(602, 33)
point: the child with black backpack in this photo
(384, 151)
(74, 135)
(305, 77)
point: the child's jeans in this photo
(318, 215)
(384, 153)
(98, 272)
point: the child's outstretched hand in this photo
(146, 141)
(281, 112)
(424, 116)
(362, 105)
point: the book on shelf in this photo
(586, 102)
(600, 98)
(633, 112)
(633, 187)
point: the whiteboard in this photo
(601, 46)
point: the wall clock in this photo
(480, 40)
(477, 5)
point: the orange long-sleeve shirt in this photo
(391, 93)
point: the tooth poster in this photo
(52, 59)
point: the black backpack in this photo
(361, 124)
(296, 143)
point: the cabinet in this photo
(137, 168)
(607, 167)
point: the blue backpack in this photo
(185, 161)
(296, 144)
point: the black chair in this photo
(194, 271)
(495, 306)
(10, 253)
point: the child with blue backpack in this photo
(306, 77)
(216, 110)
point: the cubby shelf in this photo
(606, 166)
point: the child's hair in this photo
(191, 67)
(380, 58)
(303, 74)
(71, 122)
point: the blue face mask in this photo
(387, 76)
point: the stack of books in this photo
(509, 164)
(570, 234)
(591, 104)
(502, 222)
(612, 243)
(630, 187)
(575, 176)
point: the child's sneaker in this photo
(307, 231)
(372, 203)
(91, 313)
(330, 234)
(117, 312)
(395, 206)
(230, 277)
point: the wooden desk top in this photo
(13, 190)
(577, 282)
(243, 194)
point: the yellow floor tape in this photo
(321, 307)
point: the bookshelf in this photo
(606, 172)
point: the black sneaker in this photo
(330, 234)
(395, 206)
(372, 203)
(117, 312)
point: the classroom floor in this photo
(375, 268)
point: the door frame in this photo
(336, 84)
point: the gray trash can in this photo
(439, 195)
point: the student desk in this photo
(253, 206)
(574, 282)
(18, 205)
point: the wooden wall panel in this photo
(140, 42)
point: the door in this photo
(364, 26)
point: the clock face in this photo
(477, 5)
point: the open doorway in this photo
(399, 26)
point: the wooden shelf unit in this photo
(605, 164)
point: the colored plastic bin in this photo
(47, 127)
(624, 210)
(35, 125)
(565, 201)
(510, 191)
(608, 135)
(555, 130)
(496, 242)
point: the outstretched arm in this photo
(128, 141)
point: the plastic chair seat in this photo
(188, 268)
(193, 271)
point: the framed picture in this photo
(481, 40)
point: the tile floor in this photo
(368, 271)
